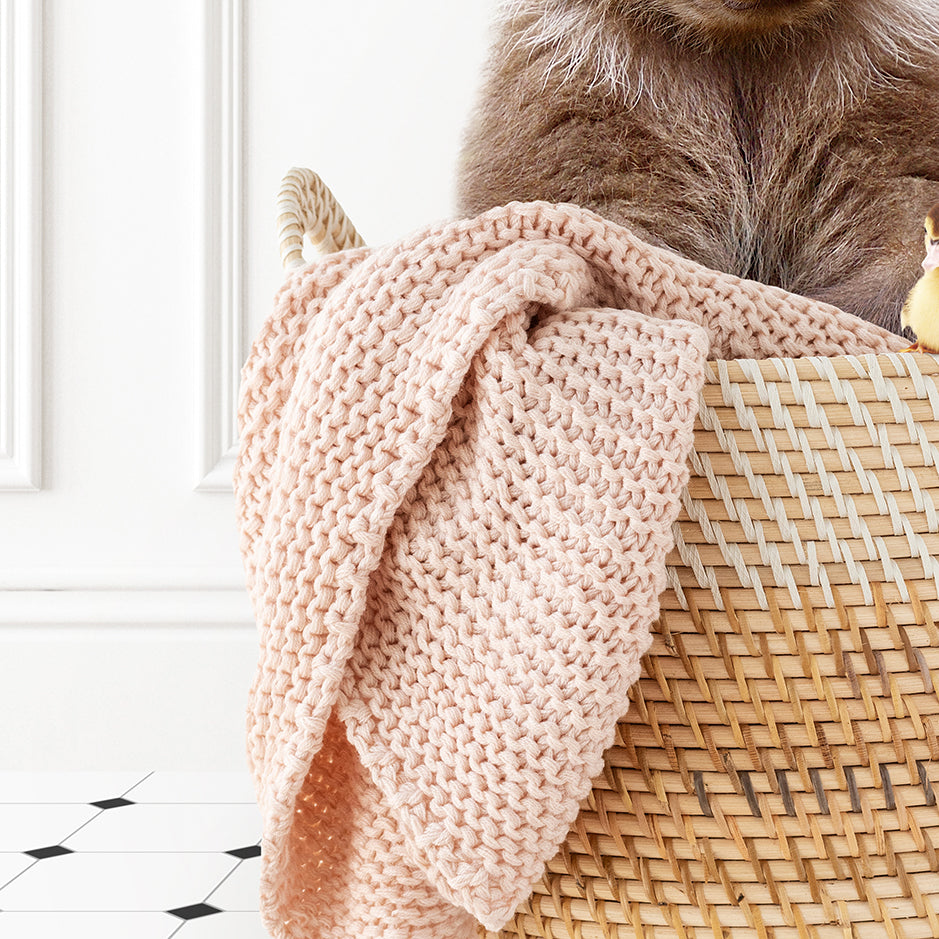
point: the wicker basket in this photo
(774, 777)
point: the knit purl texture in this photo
(461, 457)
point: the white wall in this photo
(153, 137)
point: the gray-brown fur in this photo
(932, 223)
(793, 143)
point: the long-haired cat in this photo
(794, 142)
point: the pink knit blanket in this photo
(461, 458)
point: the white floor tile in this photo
(10, 866)
(170, 827)
(24, 827)
(224, 926)
(117, 882)
(86, 925)
(195, 787)
(239, 892)
(66, 787)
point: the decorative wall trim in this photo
(20, 243)
(222, 345)
(151, 608)
(103, 577)
(101, 597)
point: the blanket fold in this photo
(461, 458)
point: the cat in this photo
(792, 142)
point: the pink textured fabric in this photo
(461, 458)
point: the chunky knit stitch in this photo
(461, 458)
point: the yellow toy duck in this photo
(921, 309)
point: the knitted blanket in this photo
(461, 458)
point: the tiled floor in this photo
(129, 856)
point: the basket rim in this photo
(890, 365)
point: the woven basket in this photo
(774, 777)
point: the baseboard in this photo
(168, 692)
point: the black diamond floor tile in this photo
(253, 850)
(52, 851)
(111, 803)
(195, 911)
(173, 791)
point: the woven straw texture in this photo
(306, 206)
(774, 776)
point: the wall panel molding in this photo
(103, 597)
(95, 609)
(20, 243)
(222, 346)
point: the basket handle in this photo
(305, 205)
